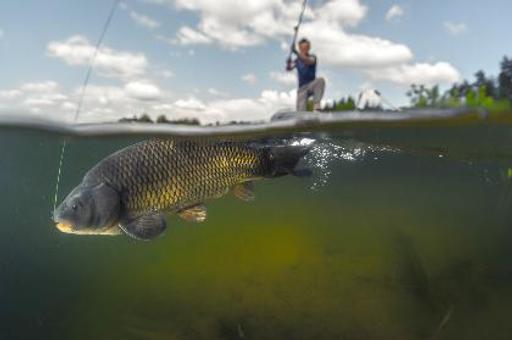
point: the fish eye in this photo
(76, 204)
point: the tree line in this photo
(484, 91)
(162, 119)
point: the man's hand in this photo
(289, 64)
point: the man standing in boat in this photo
(309, 84)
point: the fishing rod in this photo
(296, 29)
(386, 101)
(82, 94)
(378, 94)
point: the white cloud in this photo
(10, 94)
(342, 12)
(394, 12)
(37, 102)
(421, 73)
(191, 104)
(261, 108)
(33, 96)
(110, 103)
(144, 20)
(68, 106)
(77, 50)
(102, 95)
(232, 23)
(217, 93)
(143, 91)
(101, 103)
(225, 110)
(46, 86)
(337, 48)
(455, 29)
(250, 78)
(189, 36)
(167, 40)
(167, 74)
(236, 24)
(284, 78)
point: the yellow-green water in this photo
(409, 239)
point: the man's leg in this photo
(317, 88)
(302, 98)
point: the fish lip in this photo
(64, 226)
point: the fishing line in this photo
(387, 102)
(378, 94)
(82, 93)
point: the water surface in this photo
(403, 232)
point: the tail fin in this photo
(284, 160)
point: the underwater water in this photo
(400, 233)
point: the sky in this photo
(224, 60)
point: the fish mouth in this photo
(65, 227)
(69, 228)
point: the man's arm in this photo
(307, 59)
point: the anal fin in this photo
(197, 213)
(244, 191)
(146, 227)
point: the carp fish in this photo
(131, 190)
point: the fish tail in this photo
(284, 161)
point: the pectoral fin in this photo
(244, 191)
(196, 213)
(144, 228)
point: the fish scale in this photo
(162, 174)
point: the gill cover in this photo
(107, 205)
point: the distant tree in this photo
(481, 80)
(145, 118)
(422, 96)
(162, 119)
(434, 96)
(505, 79)
(348, 104)
(343, 104)
(184, 121)
(485, 91)
(462, 88)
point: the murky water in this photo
(401, 233)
